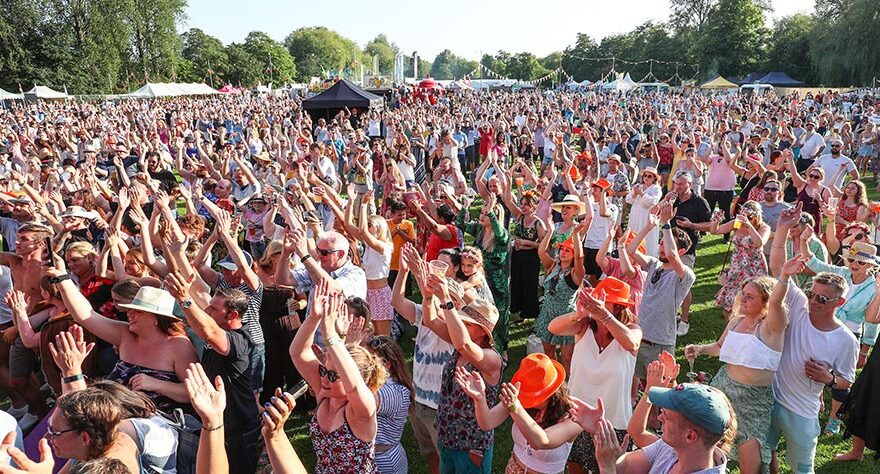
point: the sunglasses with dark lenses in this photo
(771, 189)
(331, 375)
(815, 176)
(821, 299)
(325, 252)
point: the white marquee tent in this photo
(622, 83)
(170, 89)
(43, 92)
(5, 95)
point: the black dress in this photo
(524, 269)
(861, 410)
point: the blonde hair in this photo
(472, 253)
(82, 249)
(371, 367)
(381, 225)
(273, 249)
(764, 284)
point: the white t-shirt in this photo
(837, 349)
(8, 424)
(831, 166)
(811, 145)
(599, 226)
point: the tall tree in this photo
(317, 50)
(385, 50)
(525, 66)
(733, 38)
(844, 48)
(205, 56)
(789, 47)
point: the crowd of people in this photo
(179, 274)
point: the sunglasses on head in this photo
(821, 299)
(331, 375)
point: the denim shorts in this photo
(801, 437)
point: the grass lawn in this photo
(707, 323)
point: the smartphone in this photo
(50, 255)
(299, 389)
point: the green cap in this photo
(702, 405)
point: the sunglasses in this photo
(859, 236)
(861, 263)
(54, 434)
(815, 176)
(821, 299)
(771, 189)
(331, 375)
(326, 252)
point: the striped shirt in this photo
(390, 418)
(251, 318)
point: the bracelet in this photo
(305, 257)
(666, 226)
(212, 429)
(73, 378)
(331, 340)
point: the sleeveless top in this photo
(123, 372)
(520, 231)
(748, 350)
(377, 265)
(811, 207)
(540, 460)
(340, 451)
(606, 375)
(157, 445)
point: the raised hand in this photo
(670, 367)
(471, 383)
(586, 415)
(794, 265)
(25, 464)
(790, 217)
(276, 412)
(510, 394)
(208, 400)
(608, 449)
(70, 350)
(178, 286)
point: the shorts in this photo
(22, 361)
(379, 300)
(422, 421)
(583, 451)
(801, 437)
(664, 169)
(590, 265)
(453, 461)
(689, 260)
(649, 352)
(258, 367)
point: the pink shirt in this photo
(721, 176)
(636, 282)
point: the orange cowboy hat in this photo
(566, 244)
(616, 291)
(602, 183)
(630, 235)
(539, 377)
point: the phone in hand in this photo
(299, 389)
(50, 255)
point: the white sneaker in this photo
(17, 413)
(27, 421)
(683, 328)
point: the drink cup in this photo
(438, 268)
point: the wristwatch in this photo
(59, 279)
(666, 226)
(305, 257)
(186, 304)
(447, 305)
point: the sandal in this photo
(832, 427)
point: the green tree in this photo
(385, 50)
(551, 61)
(155, 45)
(204, 55)
(244, 69)
(789, 47)
(447, 65)
(276, 63)
(317, 50)
(844, 46)
(733, 38)
(525, 66)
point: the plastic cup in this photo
(438, 268)
(317, 197)
(519, 181)
(737, 224)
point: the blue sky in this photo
(468, 28)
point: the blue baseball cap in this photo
(229, 264)
(701, 404)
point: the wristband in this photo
(331, 340)
(204, 428)
(305, 257)
(59, 279)
(73, 378)
(833, 380)
(666, 226)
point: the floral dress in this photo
(745, 262)
(340, 451)
(846, 213)
(560, 293)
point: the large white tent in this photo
(622, 83)
(5, 95)
(45, 93)
(170, 89)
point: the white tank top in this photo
(606, 375)
(747, 350)
(549, 461)
(376, 265)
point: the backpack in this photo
(188, 429)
